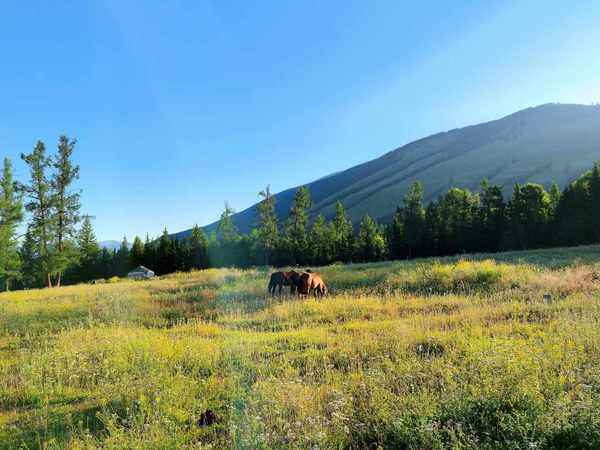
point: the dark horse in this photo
(280, 279)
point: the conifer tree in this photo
(149, 253)
(554, 194)
(569, 222)
(594, 203)
(225, 248)
(268, 235)
(431, 232)
(396, 238)
(122, 260)
(322, 242)
(226, 229)
(136, 254)
(107, 263)
(31, 273)
(199, 248)
(492, 218)
(370, 244)
(414, 219)
(164, 253)
(11, 215)
(88, 249)
(66, 204)
(457, 211)
(296, 226)
(40, 204)
(529, 214)
(343, 234)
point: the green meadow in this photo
(481, 352)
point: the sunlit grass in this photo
(490, 351)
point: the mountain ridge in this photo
(545, 143)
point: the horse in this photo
(280, 279)
(312, 281)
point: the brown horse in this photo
(311, 281)
(280, 279)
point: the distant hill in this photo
(110, 245)
(552, 142)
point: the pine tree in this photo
(11, 215)
(492, 218)
(268, 234)
(396, 238)
(88, 249)
(343, 234)
(31, 273)
(431, 232)
(554, 195)
(107, 265)
(414, 219)
(136, 254)
(296, 226)
(164, 254)
(66, 204)
(370, 244)
(122, 260)
(457, 212)
(199, 248)
(179, 256)
(40, 203)
(224, 251)
(149, 253)
(226, 229)
(529, 214)
(553, 233)
(594, 203)
(322, 242)
(570, 221)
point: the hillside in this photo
(552, 142)
(110, 245)
(491, 351)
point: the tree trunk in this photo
(49, 279)
(58, 279)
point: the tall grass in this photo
(493, 351)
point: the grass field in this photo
(490, 351)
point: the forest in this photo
(46, 240)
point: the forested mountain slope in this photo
(552, 142)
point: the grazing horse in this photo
(280, 279)
(311, 281)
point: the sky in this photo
(180, 106)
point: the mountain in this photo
(110, 245)
(552, 142)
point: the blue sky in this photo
(181, 105)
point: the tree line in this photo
(59, 245)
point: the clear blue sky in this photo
(180, 105)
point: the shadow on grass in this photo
(56, 426)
